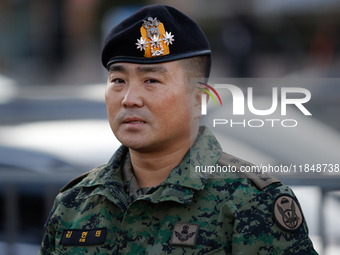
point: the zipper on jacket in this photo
(120, 199)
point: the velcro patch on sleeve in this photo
(83, 236)
(287, 213)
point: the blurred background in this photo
(53, 123)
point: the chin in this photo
(134, 145)
(142, 146)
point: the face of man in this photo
(148, 105)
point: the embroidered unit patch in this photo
(287, 213)
(184, 234)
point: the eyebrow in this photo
(118, 68)
(140, 69)
(151, 69)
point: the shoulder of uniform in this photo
(74, 181)
(78, 179)
(260, 179)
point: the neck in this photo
(151, 169)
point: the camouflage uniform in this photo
(183, 215)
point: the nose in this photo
(133, 98)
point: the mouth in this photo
(133, 121)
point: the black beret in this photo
(154, 34)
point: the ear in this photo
(197, 100)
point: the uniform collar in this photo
(205, 152)
(110, 174)
(181, 183)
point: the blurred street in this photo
(53, 120)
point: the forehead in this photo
(132, 68)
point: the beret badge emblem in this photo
(154, 39)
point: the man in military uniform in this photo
(144, 201)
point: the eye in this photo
(117, 81)
(151, 81)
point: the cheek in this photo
(174, 107)
(112, 105)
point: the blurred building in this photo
(51, 48)
(59, 41)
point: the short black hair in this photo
(196, 67)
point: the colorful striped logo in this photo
(208, 92)
(204, 97)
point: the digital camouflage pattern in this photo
(183, 215)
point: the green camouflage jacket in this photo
(234, 213)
